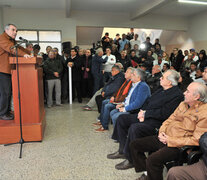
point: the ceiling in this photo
(135, 8)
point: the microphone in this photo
(24, 40)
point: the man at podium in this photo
(7, 41)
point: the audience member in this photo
(106, 41)
(96, 69)
(130, 35)
(202, 62)
(109, 104)
(155, 110)
(124, 60)
(115, 52)
(193, 52)
(138, 93)
(116, 41)
(176, 59)
(114, 83)
(122, 42)
(108, 65)
(199, 77)
(166, 66)
(134, 59)
(193, 67)
(158, 49)
(53, 68)
(87, 79)
(154, 80)
(183, 127)
(74, 62)
(45, 56)
(135, 41)
(64, 77)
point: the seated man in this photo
(138, 94)
(154, 80)
(155, 110)
(110, 104)
(195, 171)
(114, 83)
(184, 127)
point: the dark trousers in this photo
(127, 129)
(87, 87)
(77, 90)
(5, 93)
(154, 164)
(99, 100)
(98, 82)
(64, 87)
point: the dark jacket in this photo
(97, 64)
(76, 69)
(125, 62)
(113, 85)
(88, 65)
(203, 146)
(52, 65)
(154, 82)
(161, 105)
(176, 61)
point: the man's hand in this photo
(27, 56)
(102, 94)
(112, 99)
(163, 137)
(119, 106)
(70, 64)
(140, 115)
(87, 69)
(56, 74)
(121, 109)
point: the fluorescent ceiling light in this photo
(193, 2)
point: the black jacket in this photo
(113, 85)
(50, 66)
(161, 105)
(125, 62)
(76, 69)
(203, 146)
(154, 82)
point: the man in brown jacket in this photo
(184, 127)
(7, 41)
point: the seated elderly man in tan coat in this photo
(184, 127)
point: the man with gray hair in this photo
(7, 41)
(138, 94)
(155, 110)
(183, 128)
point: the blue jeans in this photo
(105, 112)
(115, 114)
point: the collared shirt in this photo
(127, 100)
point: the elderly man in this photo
(111, 87)
(195, 171)
(96, 69)
(154, 80)
(138, 94)
(205, 75)
(110, 104)
(184, 127)
(155, 110)
(7, 41)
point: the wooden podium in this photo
(32, 102)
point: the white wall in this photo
(56, 20)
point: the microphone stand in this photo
(21, 141)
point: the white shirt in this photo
(155, 62)
(133, 42)
(109, 63)
(126, 102)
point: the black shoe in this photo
(124, 165)
(142, 177)
(6, 117)
(116, 155)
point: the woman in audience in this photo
(127, 49)
(202, 62)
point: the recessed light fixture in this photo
(193, 2)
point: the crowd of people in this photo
(156, 102)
